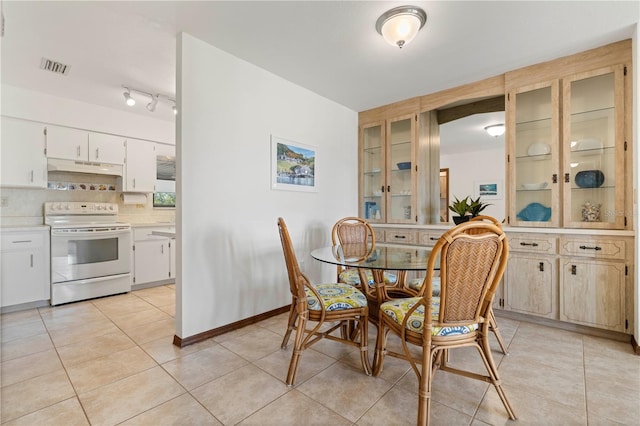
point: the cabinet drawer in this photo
(593, 247)
(429, 238)
(402, 236)
(533, 243)
(22, 240)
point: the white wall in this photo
(230, 262)
(466, 168)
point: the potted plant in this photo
(461, 208)
(476, 206)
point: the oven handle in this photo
(93, 232)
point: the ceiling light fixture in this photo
(153, 99)
(151, 106)
(128, 99)
(495, 130)
(400, 25)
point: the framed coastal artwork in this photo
(488, 190)
(293, 166)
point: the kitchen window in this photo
(165, 195)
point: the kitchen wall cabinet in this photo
(584, 166)
(152, 257)
(23, 160)
(80, 145)
(140, 168)
(25, 268)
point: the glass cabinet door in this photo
(400, 170)
(372, 177)
(593, 146)
(533, 155)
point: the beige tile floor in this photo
(111, 361)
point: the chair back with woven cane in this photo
(471, 256)
(354, 230)
(342, 306)
(493, 325)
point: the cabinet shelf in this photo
(594, 114)
(540, 157)
(534, 190)
(535, 124)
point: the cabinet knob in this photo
(541, 266)
(573, 269)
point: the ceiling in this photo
(330, 48)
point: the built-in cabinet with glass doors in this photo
(574, 178)
(387, 167)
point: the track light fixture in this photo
(153, 99)
(128, 99)
(151, 106)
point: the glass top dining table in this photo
(380, 257)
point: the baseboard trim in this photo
(190, 340)
(577, 328)
(634, 344)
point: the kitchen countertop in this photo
(170, 234)
(20, 228)
(152, 224)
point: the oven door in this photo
(82, 253)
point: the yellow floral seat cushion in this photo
(335, 297)
(397, 309)
(416, 284)
(351, 276)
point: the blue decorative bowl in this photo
(535, 212)
(404, 166)
(589, 179)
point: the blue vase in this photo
(589, 179)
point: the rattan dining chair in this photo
(472, 257)
(493, 325)
(340, 305)
(416, 285)
(355, 230)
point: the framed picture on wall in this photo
(293, 166)
(488, 189)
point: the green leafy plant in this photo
(476, 206)
(460, 207)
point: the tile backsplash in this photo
(25, 206)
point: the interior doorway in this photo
(444, 195)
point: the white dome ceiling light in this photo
(400, 25)
(495, 130)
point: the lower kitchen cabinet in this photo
(593, 293)
(531, 286)
(152, 257)
(25, 271)
(594, 282)
(172, 258)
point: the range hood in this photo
(59, 165)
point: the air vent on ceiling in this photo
(53, 66)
